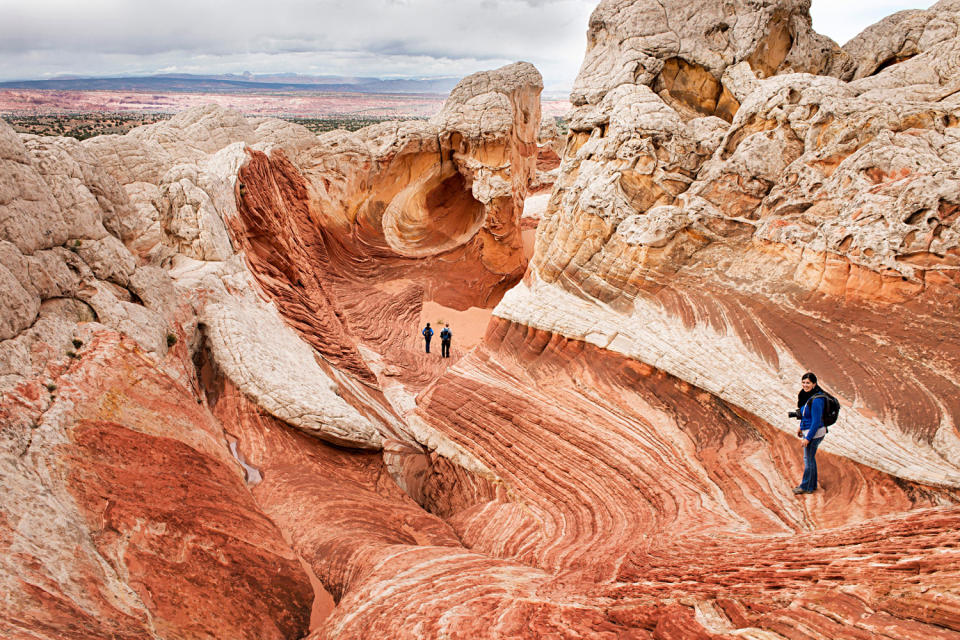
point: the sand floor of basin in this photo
(468, 326)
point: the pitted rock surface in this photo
(775, 244)
(682, 48)
(218, 419)
(902, 36)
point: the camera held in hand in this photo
(794, 414)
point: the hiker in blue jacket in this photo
(445, 337)
(427, 334)
(812, 429)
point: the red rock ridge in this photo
(612, 461)
(126, 517)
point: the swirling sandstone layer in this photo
(163, 235)
(216, 409)
(124, 515)
(738, 255)
(660, 510)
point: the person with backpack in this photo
(816, 410)
(445, 337)
(427, 335)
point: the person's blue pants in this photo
(809, 482)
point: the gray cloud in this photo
(339, 37)
(50, 37)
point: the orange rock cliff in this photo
(218, 420)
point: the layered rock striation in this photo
(217, 419)
(234, 263)
(737, 255)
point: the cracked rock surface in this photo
(218, 420)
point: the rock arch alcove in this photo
(433, 215)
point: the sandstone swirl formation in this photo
(218, 421)
(737, 255)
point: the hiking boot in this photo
(798, 490)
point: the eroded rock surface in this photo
(902, 36)
(124, 515)
(218, 420)
(737, 256)
(158, 236)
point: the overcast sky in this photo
(46, 38)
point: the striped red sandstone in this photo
(611, 462)
(125, 516)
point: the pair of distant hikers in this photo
(445, 337)
(816, 410)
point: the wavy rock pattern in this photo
(217, 418)
(124, 516)
(369, 211)
(776, 244)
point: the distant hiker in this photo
(445, 336)
(427, 335)
(811, 403)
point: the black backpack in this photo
(831, 408)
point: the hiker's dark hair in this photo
(812, 377)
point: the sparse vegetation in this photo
(87, 125)
(171, 339)
(350, 123)
(77, 343)
(51, 387)
(562, 125)
(81, 125)
(72, 354)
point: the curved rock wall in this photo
(217, 418)
(737, 256)
(124, 514)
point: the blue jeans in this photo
(809, 482)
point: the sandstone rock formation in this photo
(550, 147)
(164, 236)
(900, 37)
(125, 516)
(680, 49)
(775, 244)
(217, 419)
